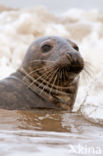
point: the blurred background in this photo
(55, 5)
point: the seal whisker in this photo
(33, 71)
(63, 77)
(39, 77)
(28, 74)
(57, 84)
(49, 73)
(87, 71)
(50, 66)
(46, 86)
(53, 81)
(88, 66)
(64, 74)
(42, 61)
(22, 70)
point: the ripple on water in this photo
(43, 132)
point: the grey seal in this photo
(47, 78)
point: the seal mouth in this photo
(55, 77)
(76, 69)
(70, 64)
(76, 63)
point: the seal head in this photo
(51, 69)
(47, 78)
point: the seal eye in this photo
(46, 48)
(76, 47)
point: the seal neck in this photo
(58, 103)
(21, 75)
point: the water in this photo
(43, 132)
(47, 132)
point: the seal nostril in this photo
(73, 56)
(69, 53)
(77, 63)
(69, 56)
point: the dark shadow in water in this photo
(46, 120)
